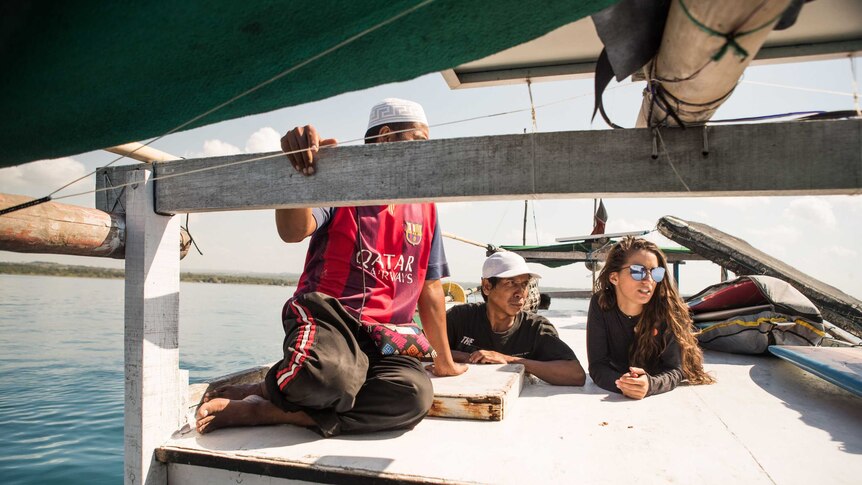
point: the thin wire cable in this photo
(355, 140)
(669, 161)
(797, 88)
(238, 162)
(532, 105)
(278, 76)
(855, 85)
(535, 223)
(223, 165)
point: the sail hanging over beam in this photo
(84, 75)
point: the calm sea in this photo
(61, 366)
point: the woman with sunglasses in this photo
(639, 333)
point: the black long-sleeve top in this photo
(610, 335)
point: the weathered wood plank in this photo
(153, 381)
(484, 392)
(743, 259)
(823, 157)
(108, 199)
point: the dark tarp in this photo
(84, 75)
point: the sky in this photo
(818, 235)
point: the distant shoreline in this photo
(40, 268)
(76, 271)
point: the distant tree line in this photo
(55, 269)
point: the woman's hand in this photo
(634, 384)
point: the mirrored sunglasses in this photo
(639, 273)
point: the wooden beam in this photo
(791, 158)
(54, 228)
(155, 389)
(61, 229)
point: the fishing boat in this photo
(767, 420)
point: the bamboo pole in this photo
(696, 69)
(66, 229)
(142, 153)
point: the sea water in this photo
(61, 365)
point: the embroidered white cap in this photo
(506, 264)
(394, 110)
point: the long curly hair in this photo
(665, 309)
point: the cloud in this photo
(626, 225)
(265, 139)
(33, 178)
(815, 210)
(841, 252)
(743, 203)
(218, 148)
(781, 232)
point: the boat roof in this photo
(824, 29)
(765, 421)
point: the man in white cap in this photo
(500, 332)
(365, 266)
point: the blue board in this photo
(841, 366)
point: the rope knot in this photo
(730, 42)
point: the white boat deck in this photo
(765, 421)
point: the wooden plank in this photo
(484, 392)
(153, 382)
(822, 157)
(212, 466)
(108, 199)
(740, 257)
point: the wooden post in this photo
(154, 384)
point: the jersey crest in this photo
(413, 232)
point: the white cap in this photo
(394, 110)
(506, 264)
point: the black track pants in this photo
(333, 371)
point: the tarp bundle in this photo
(748, 314)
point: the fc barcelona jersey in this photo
(374, 259)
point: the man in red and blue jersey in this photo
(365, 265)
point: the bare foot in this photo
(239, 391)
(251, 411)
